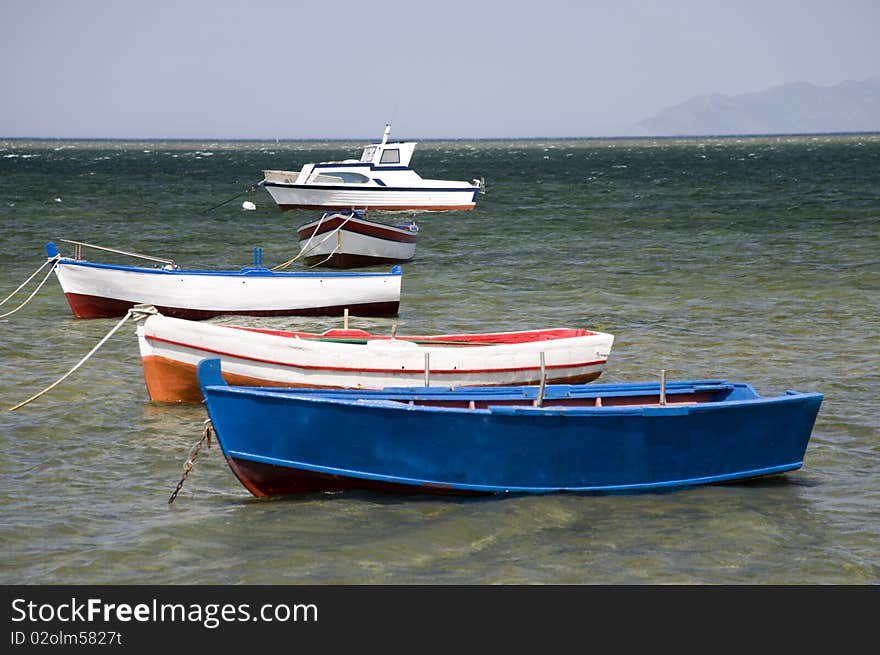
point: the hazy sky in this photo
(266, 69)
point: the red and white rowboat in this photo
(171, 349)
(347, 240)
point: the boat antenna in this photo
(387, 132)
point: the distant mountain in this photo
(795, 108)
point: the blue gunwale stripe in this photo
(248, 273)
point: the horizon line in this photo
(707, 135)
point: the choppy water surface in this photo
(754, 259)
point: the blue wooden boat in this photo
(492, 440)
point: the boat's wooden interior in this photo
(356, 336)
(643, 400)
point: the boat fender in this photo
(51, 250)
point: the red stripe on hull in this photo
(271, 480)
(556, 379)
(84, 306)
(386, 233)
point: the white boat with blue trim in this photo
(381, 180)
(99, 290)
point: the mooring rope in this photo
(252, 187)
(132, 312)
(23, 284)
(337, 249)
(305, 249)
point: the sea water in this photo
(755, 259)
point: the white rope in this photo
(305, 249)
(337, 249)
(130, 313)
(33, 275)
(39, 286)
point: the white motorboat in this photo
(381, 180)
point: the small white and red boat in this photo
(347, 240)
(96, 290)
(171, 349)
(380, 180)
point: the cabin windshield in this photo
(368, 153)
(390, 156)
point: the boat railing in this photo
(78, 246)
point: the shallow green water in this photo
(753, 259)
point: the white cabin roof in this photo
(388, 153)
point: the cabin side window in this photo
(339, 177)
(351, 178)
(390, 156)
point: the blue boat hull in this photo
(296, 441)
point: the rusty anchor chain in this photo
(193, 453)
